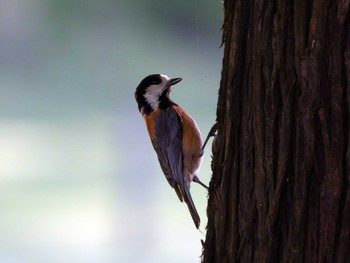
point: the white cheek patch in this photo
(165, 78)
(152, 95)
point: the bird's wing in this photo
(167, 143)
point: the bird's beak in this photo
(173, 81)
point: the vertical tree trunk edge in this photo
(280, 187)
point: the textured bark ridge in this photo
(281, 159)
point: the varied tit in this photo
(174, 134)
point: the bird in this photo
(174, 134)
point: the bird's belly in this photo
(191, 144)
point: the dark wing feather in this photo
(168, 146)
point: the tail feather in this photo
(178, 192)
(188, 199)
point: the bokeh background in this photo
(79, 180)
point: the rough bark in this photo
(281, 158)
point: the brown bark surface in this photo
(281, 158)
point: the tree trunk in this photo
(281, 158)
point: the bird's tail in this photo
(188, 199)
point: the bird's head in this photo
(152, 90)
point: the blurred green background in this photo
(79, 180)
